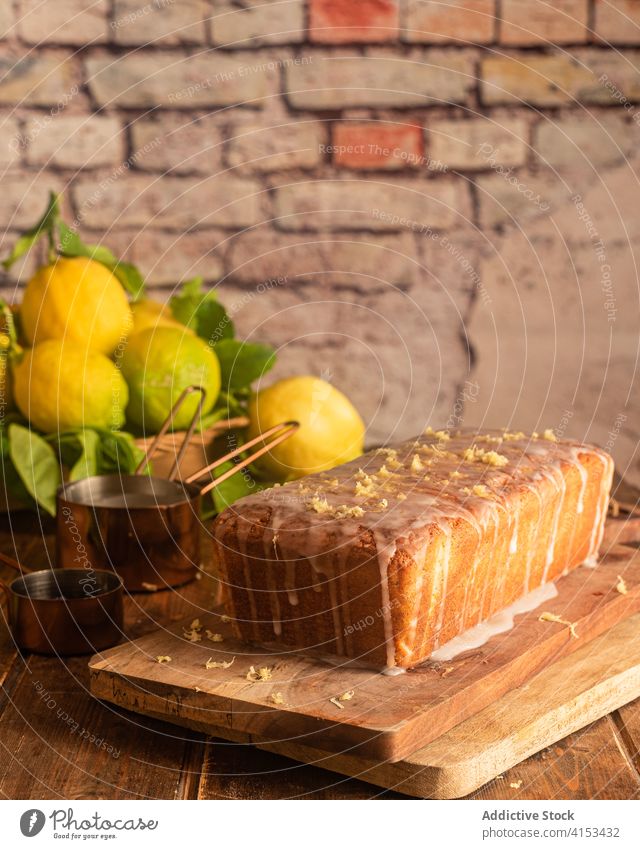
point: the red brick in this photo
(373, 145)
(343, 21)
(619, 23)
(538, 22)
(449, 20)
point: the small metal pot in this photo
(144, 528)
(64, 611)
(147, 529)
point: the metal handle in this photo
(9, 561)
(285, 430)
(151, 450)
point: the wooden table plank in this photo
(239, 771)
(589, 764)
(627, 721)
(60, 743)
(158, 760)
(47, 713)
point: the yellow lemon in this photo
(60, 385)
(158, 364)
(331, 430)
(76, 299)
(150, 313)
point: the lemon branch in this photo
(63, 241)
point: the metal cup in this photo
(64, 611)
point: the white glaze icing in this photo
(440, 487)
(496, 624)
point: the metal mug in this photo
(146, 529)
(64, 611)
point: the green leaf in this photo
(118, 454)
(202, 312)
(71, 245)
(44, 226)
(36, 464)
(87, 464)
(129, 276)
(234, 488)
(211, 418)
(243, 362)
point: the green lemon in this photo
(158, 364)
(331, 430)
(60, 385)
(150, 313)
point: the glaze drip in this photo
(408, 499)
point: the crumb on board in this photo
(193, 632)
(345, 697)
(277, 698)
(163, 658)
(225, 618)
(263, 673)
(152, 588)
(553, 617)
(516, 785)
(218, 664)
(215, 638)
(621, 586)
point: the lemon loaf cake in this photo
(389, 556)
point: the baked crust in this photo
(388, 557)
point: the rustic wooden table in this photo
(59, 742)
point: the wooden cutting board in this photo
(388, 718)
(573, 692)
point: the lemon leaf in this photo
(36, 464)
(243, 362)
(44, 226)
(202, 312)
(87, 463)
(131, 279)
(229, 491)
(71, 245)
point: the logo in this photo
(32, 822)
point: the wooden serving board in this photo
(388, 718)
(573, 692)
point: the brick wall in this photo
(432, 203)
